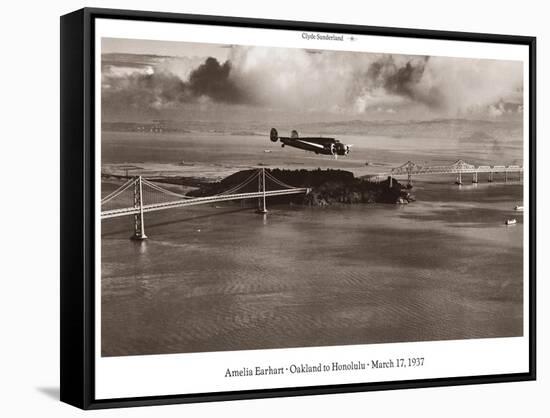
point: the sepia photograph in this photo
(261, 197)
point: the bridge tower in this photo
(139, 226)
(261, 188)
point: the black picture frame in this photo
(77, 208)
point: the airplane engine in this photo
(273, 135)
(342, 149)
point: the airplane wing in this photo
(311, 144)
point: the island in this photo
(328, 187)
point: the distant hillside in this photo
(477, 136)
(145, 127)
(460, 129)
(437, 128)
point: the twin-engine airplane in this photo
(317, 144)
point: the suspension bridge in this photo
(139, 196)
(460, 167)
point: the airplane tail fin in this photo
(273, 135)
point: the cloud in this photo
(212, 79)
(391, 80)
(470, 85)
(160, 87)
(402, 78)
(501, 108)
(314, 81)
(292, 79)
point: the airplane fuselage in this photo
(309, 144)
(316, 144)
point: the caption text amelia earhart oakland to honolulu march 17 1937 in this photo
(327, 367)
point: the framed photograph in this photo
(258, 208)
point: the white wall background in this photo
(29, 208)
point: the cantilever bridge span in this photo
(138, 196)
(459, 168)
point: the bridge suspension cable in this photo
(252, 177)
(279, 182)
(165, 191)
(118, 191)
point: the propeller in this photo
(273, 135)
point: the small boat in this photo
(267, 151)
(511, 222)
(519, 208)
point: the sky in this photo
(196, 81)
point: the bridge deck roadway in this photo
(114, 213)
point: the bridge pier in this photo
(490, 177)
(262, 210)
(139, 226)
(474, 178)
(459, 178)
(261, 188)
